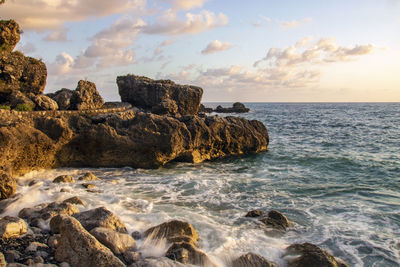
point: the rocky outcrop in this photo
(86, 96)
(79, 248)
(20, 73)
(203, 109)
(9, 35)
(187, 253)
(173, 231)
(100, 217)
(253, 260)
(236, 108)
(311, 255)
(8, 185)
(11, 227)
(159, 96)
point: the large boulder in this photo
(86, 97)
(306, 254)
(274, 220)
(9, 35)
(16, 98)
(47, 211)
(8, 185)
(20, 73)
(79, 248)
(11, 227)
(117, 242)
(100, 217)
(43, 102)
(253, 260)
(173, 231)
(159, 96)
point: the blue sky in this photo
(236, 50)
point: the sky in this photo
(249, 51)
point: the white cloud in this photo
(161, 46)
(62, 65)
(170, 24)
(295, 23)
(59, 35)
(187, 4)
(42, 15)
(216, 46)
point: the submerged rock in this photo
(64, 179)
(273, 219)
(159, 96)
(100, 217)
(88, 177)
(11, 227)
(253, 260)
(311, 255)
(8, 186)
(79, 248)
(173, 231)
(119, 243)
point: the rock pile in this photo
(236, 108)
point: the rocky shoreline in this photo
(65, 233)
(159, 123)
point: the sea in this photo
(332, 168)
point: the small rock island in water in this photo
(157, 122)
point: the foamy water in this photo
(333, 169)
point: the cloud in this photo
(295, 23)
(170, 24)
(187, 4)
(57, 35)
(324, 51)
(62, 65)
(39, 15)
(215, 46)
(161, 46)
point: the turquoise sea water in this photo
(333, 169)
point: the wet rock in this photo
(173, 231)
(100, 217)
(3, 262)
(131, 256)
(64, 264)
(15, 265)
(254, 214)
(64, 179)
(88, 177)
(8, 185)
(75, 200)
(52, 242)
(86, 97)
(117, 242)
(43, 102)
(11, 227)
(47, 211)
(20, 73)
(79, 248)
(62, 98)
(137, 235)
(89, 186)
(311, 255)
(276, 220)
(236, 108)
(254, 260)
(159, 96)
(9, 35)
(186, 253)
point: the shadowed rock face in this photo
(159, 96)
